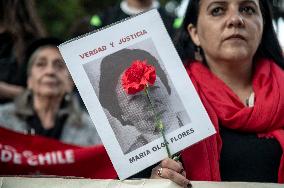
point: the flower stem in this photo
(158, 121)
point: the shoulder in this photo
(83, 133)
(126, 135)
(87, 123)
(7, 107)
(7, 111)
(86, 120)
(9, 119)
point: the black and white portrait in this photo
(130, 116)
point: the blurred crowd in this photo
(37, 94)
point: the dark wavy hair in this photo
(20, 20)
(112, 67)
(268, 48)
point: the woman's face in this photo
(49, 75)
(228, 30)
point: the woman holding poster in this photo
(238, 73)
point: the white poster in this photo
(127, 123)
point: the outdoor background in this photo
(58, 15)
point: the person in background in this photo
(121, 11)
(19, 25)
(47, 107)
(239, 77)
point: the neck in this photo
(46, 109)
(139, 4)
(237, 76)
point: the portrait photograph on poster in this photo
(137, 92)
(131, 117)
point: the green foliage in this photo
(59, 15)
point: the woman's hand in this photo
(172, 170)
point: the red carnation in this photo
(138, 76)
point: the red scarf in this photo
(266, 117)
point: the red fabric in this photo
(25, 155)
(223, 106)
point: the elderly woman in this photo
(47, 107)
(239, 77)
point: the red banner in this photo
(28, 155)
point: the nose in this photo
(235, 19)
(50, 69)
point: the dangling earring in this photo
(67, 97)
(197, 54)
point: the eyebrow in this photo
(216, 2)
(225, 2)
(40, 58)
(59, 60)
(249, 1)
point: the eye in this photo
(59, 65)
(40, 64)
(248, 10)
(217, 11)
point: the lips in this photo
(50, 83)
(236, 36)
(49, 80)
